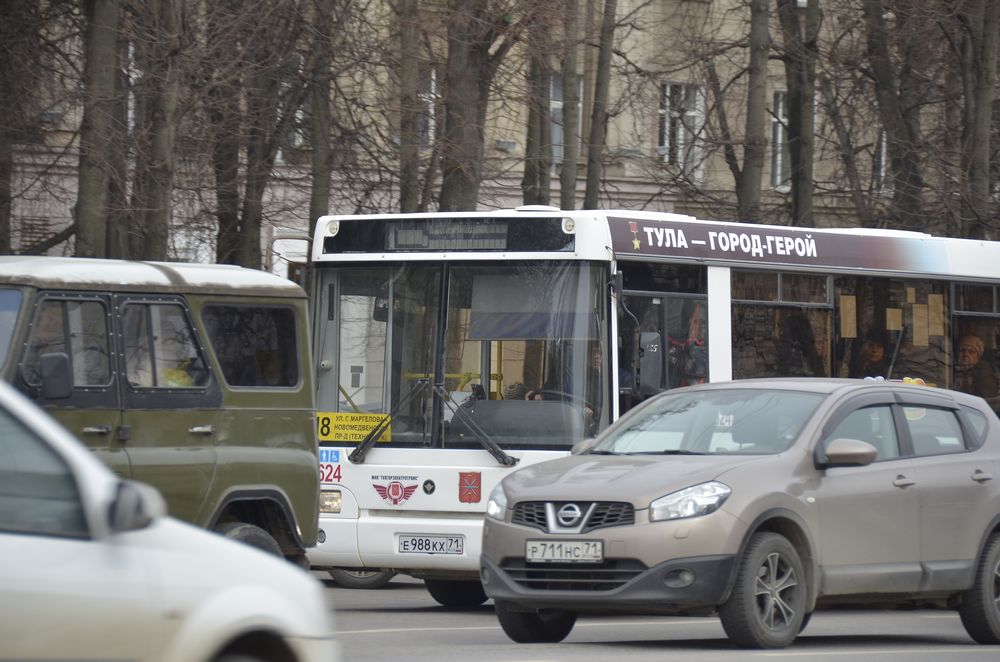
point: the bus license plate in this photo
(564, 551)
(415, 544)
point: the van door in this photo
(171, 401)
(80, 327)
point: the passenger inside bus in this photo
(972, 373)
(873, 359)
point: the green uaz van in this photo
(194, 378)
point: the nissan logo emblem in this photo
(569, 514)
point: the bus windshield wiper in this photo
(357, 456)
(491, 446)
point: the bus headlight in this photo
(497, 505)
(332, 228)
(329, 501)
(690, 502)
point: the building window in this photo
(780, 154)
(428, 96)
(681, 119)
(881, 177)
(556, 115)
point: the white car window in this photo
(38, 494)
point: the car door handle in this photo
(202, 429)
(981, 476)
(903, 481)
(97, 429)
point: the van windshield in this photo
(10, 304)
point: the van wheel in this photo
(546, 626)
(767, 605)
(249, 534)
(361, 578)
(980, 609)
(456, 594)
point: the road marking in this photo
(977, 650)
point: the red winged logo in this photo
(470, 486)
(395, 492)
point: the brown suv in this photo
(761, 501)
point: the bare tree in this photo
(571, 105)
(800, 51)
(480, 34)
(97, 129)
(599, 112)
(536, 179)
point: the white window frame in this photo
(781, 168)
(680, 127)
(556, 119)
(428, 97)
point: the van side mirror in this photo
(650, 376)
(57, 376)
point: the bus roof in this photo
(77, 273)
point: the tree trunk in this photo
(535, 181)
(409, 106)
(980, 70)
(161, 92)
(800, 54)
(748, 186)
(599, 115)
(321, 165)
(898, 107)
(96, 130)
(226, 128)
(571, 108)
(462, 148)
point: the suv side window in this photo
(38, 493)
(160, 351)
(76, 328)
(979, 424)
(255, 345)
(873, 425)
(933, 431)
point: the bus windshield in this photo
(459, 352)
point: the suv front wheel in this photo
(547, 626)
(980, 610)
(767, 605)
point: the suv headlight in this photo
(692, 501)
(497, 504)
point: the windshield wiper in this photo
(603, 452)
(357, 456)
(491, 446)
(674, 452)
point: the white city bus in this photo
(455, 347)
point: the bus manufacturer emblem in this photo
(470, 486)
(395, 492)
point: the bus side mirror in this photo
(650, 376)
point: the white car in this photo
(92, 568)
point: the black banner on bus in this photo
(773, 245)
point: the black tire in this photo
(250, 534)
(360, 577)
(980, 608)
(456, 594)
(767, 604)
(805, 621)
(546, 626)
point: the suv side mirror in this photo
(135, 506)
(57, 376)
(847, 453)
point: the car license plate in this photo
(417, 544)
(564, 551)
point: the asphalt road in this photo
(402, 623)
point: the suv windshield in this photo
(510, 352)
(10, 303)
(745, 421)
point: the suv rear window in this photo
(255, 345)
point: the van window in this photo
(76, 328)
(160, 351)
(10, 303)
(255, 345)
